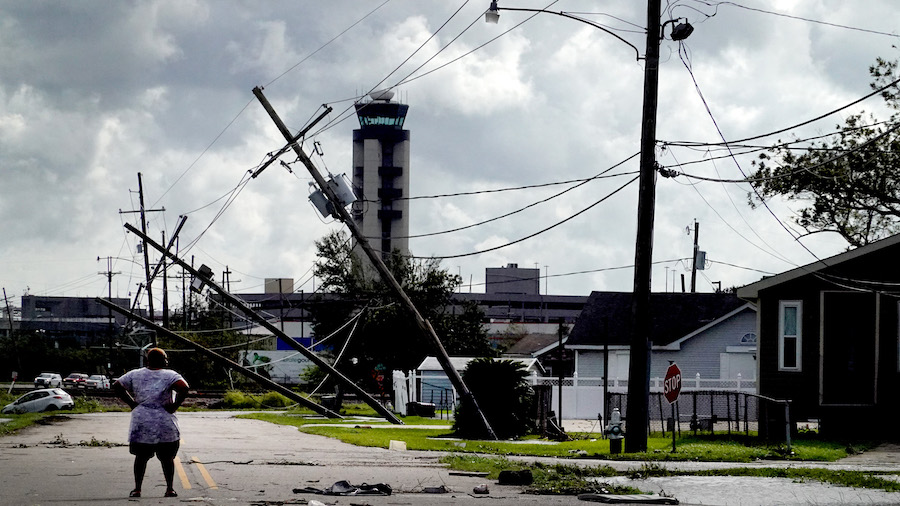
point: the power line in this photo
(783, 15)
(765, 204)
(539, 232)
(727, 143)
(484, 222)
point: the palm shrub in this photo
(502, 391)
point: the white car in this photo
(97, 381)
(48, 380)
(46, 399)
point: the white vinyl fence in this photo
(582, 398)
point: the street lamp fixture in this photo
(492, 15)
(639, 366)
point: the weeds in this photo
(59, 440)
(94, 442)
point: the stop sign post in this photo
(671, 389)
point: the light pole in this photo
(639, 365)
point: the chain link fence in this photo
(713, 412)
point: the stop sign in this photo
(672, 383)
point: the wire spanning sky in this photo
(92, 93)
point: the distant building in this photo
(512, 280)
(75, 320)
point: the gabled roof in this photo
(751, 291)
(676, 345)
(530, 344)
(673, 316)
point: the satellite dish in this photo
(385, 95)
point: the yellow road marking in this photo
(181, 474)
(204, 473)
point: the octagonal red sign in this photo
(672, 383)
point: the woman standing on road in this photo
(154, 393)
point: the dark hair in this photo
(156, 358)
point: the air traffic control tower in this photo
(381, 173)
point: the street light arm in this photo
(576, 18)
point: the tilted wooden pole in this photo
(262, 380)
(368, 399)
(426, 328)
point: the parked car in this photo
(45, 399)
(97, 381)
(48, 380)
(75, 380)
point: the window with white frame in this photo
(790, 331)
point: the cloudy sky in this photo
(93, 93)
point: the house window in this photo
(790, 330)
(749, 338)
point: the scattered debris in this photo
(397, 445)
(628, 498)
(283, 463)
(266, 503)
(522, 477)
(481, 489)
(476, 474)
(436, 490)
(344, 487)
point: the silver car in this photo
(97, 382)
(48, 380)
(46, 399)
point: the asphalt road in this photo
(225, 460)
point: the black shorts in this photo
(161, 450)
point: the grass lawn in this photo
(469, 455)
(583, 445)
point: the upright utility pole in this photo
(378, 263)
(696, 252)
(165, 297)
(109, 275)
(639, 363)
(12, 334)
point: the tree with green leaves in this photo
(502, 391)
(850, 178)
(211, 328)
(387, 337)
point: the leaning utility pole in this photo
(224, 361)
(143, 212)
(380, 266)
(253, 315)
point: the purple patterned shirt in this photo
(152, 390)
